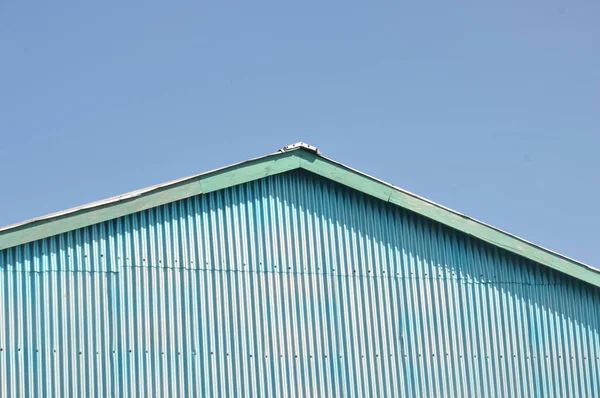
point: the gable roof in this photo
(291, 157)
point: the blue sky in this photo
(492, 110)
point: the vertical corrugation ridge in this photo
(288, 286)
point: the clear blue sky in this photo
(491, 110)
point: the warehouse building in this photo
(289, 275)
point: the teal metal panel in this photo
(288, 286)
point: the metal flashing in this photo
(302, 145)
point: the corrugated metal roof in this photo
(290, 285)
(291, 157)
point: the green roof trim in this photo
(298, 157)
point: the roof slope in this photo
(297, 156)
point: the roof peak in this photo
(291, 157)
(302, 145)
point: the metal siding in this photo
(288, 286)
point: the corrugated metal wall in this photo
(288, 286)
